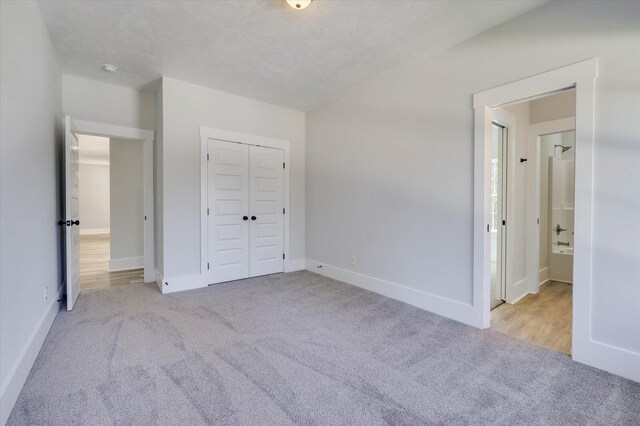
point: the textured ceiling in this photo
(262, 49)
(94, 149)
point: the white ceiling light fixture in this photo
(299, 4)
(109, 68)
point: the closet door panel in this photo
(266, 235)
(228, 203)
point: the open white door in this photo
(72, 212)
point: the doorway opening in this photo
(581, 78)
(111, 200)
(538, 308)
(120, 141)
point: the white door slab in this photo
(72, 212)
(228, 210)
(266, 236)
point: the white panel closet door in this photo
(266, 246)
(228, 203)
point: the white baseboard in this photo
(193, 281)
(543, 276)
(619, 361)
(560, 281)
(449, 308)
(295, 265)
(17, 376)
(159, 279)
(95, 231)
(126, 263)
(182, 283)
(520, 290)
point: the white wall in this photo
(127, 204)
(157, 184)
(30, 153)
(549, 108)
(91, 100)
(186, 108)
(94, 198)
(390, 162)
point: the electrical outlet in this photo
(353, 260)
(46, 293)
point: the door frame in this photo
(147, 137)
(533, 203)
(582, 75)
(207, 133)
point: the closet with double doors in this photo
(245, 210)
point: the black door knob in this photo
(253, 218)
(245, 217)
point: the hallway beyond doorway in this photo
(94, 265)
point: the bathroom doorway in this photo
(541, 131)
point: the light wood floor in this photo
(543, 318)
(94, 265)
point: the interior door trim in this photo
(207, 133)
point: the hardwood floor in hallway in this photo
(543, 319)
(94, 265)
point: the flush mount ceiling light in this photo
(299, 4)
(109, 68)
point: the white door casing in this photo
(584, 347)
(228, 210)
(266, 235)
(72, 212)
(207, 136)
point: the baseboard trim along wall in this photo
(159, 279)
(10, 389)
(519, 290)
(615, 360)
(543, 276)
(600, 355)
(449, 308)
(126, 263)
(95, 231)
(189, 282)
(295, 265)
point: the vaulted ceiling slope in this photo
(262, 49)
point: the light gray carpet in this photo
(299, 349)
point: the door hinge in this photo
(207, 265)
(283, 165)
(283, 210)
(488, 229)
(504, 222)
(145, 218)
(207, 156)
(538, 221)
(283, 255)
(207, 211)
